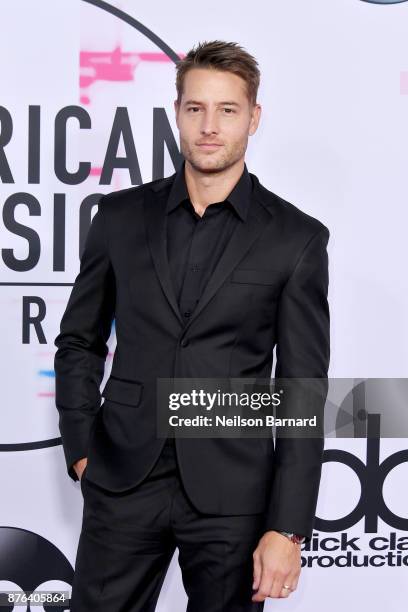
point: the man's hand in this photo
(276, 563)
(79, 466)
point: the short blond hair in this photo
(221, 55)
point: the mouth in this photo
(209, 146)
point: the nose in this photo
(209, 124)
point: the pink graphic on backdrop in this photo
(404, 82)
(95, 171)
(113, 66)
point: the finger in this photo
(294, 581)
(264, 588)
(277, 585)
(257, 571)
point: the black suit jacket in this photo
(269, 287)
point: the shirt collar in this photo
(239, 197)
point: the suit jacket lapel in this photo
(260, 213)
(156, 225)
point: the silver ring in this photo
(285, 586)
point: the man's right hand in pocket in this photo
(79, 466)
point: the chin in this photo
(205, 164)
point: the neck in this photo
(208, 188)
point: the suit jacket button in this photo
(184, 342)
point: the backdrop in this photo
(86, 107)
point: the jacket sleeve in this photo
(85, 328)
(303, 351)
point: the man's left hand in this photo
(277, 564)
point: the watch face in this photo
(294, 537)
(298, 539)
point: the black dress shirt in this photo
(194, 243)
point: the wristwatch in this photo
(293, 537)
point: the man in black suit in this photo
(204, 272)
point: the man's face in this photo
(215, 109)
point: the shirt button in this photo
(184, 342)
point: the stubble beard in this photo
(214, 162)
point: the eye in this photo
(192, 108)
(230, 110)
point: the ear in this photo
(255, 118)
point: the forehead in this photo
(209, 84)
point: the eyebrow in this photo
(227, 102)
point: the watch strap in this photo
(293, 537)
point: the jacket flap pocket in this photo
(257, 277)
(123, 391)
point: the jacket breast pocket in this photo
(123, 391)
(254, 277)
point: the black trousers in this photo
(127, 541)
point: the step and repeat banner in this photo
(86, 107)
